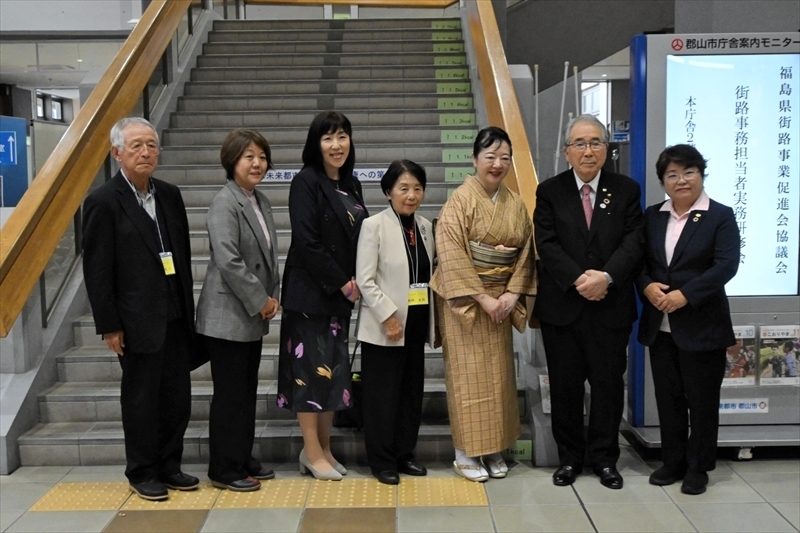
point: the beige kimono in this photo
(478, 356)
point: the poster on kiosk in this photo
(736, 98)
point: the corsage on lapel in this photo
(607, 200)
(422, 232)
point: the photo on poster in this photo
(778, 352)
(741, 360)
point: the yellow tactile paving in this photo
(351, 493)
(107, 496)
(440, 492)
(273, 494)
(202, 498)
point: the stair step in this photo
(344, 102)
(451, 174)
(337, 35)
(276, 441)
(316, 53)
(302, 118)
(99, 401)
(177, 137)
(333, 72)
(353, 24)
(322, 88)
(367, 154)
(335, 47)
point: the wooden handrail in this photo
(502, 107)
(364, 3)
(33, 230)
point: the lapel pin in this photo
(606, 201)
(603, 205)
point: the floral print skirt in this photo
(313, 365)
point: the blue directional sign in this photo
(13, 161)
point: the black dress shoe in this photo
(152, 490)
(411, 467)
(667, 475)
(261, 473)
(390, 477)
(566, 475)
(180, 481)
(247, 484)
(694, 483)
(609, 477)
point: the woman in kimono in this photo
(485, 247)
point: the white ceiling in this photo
(55, 64)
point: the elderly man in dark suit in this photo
(588, 233)
(136, 264)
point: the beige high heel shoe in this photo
(306, 467)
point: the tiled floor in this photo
(760, 495)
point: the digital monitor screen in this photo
(742, 112)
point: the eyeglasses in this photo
(153, 148)
(689, 175)
(594, 145)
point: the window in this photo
(55, 110)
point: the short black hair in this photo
(234, 146)
(788, 345)
(488, 137)
(684, 155)
(323, 124)
(397, 169)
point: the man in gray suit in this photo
(239, 297)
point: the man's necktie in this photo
(587, 204)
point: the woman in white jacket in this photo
(393, 267)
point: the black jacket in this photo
(706, 257)
(567, 248)
(124, 276)
(322, 255)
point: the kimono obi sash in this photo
(493, 266)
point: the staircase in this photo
(404, 85)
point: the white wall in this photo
(68, 15)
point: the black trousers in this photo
(155, 395)
(231, 423)
(393, 383)
(586, 350)
(687, 386)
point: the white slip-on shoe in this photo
(471, 472)
(495, 466)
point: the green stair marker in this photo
(455, 103)
(457, 174)
(445, 35)
(445, 24)
(457, 119)
(453, 88)
(451, 73)
(458, 136)
(448, 47)
(456, 155)
(449, 60)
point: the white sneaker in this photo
(495, 465)
(473, 472)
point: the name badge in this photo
(418, 294)
(167, 263)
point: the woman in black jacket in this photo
(326, 209)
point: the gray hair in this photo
(117, 131)
(587, 118)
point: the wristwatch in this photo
(608, 279)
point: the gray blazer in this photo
(243, 271)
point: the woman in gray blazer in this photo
(393, 268)
(239, 297)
